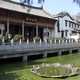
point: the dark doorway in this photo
(29, 32)
(40, 33)
(15, 29)
(62, 34)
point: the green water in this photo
(21, 71)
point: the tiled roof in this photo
(13, 6)
(62, 14)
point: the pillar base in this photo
(59, 53)
(70, 51)
(45, 55)
(25, 59)
(79, 50)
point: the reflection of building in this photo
(25, 20)
(66, 26)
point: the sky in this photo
(56, 6)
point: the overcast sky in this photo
(56, 6)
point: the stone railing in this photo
(57, 44)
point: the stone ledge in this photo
(73, 70)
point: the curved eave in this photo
(24, 9)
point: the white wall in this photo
(52, 31)
(57, 34)
(62, 23)
(64, 28)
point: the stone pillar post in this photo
(36, 29)
(70, 51)
(34, 41)
(20, 41)
(40, 41)
(23, 30)
(79, 50)
(7, 26)
(69, 41)
(72, 41)
(3, 41)
(2, 27)
(66, 41)
(55, 41)
(25, 59)
(45, 40)
(51, 42)
(12, 41)
(63, 41)
(27, 41)
(59, 41)
(60, 53)
(45, 55)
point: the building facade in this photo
(66, 26)
(28, 21)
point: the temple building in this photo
(28, 21)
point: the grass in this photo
(21, 71)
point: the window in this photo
(75, 25)
(58, 28)
(66, 23)
(72, 25)
(66, 33)
(69, 24)
(78, 26)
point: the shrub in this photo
(37, 39)
(7, 38)
(17, 37)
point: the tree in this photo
(30, 2)
(77, 1)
